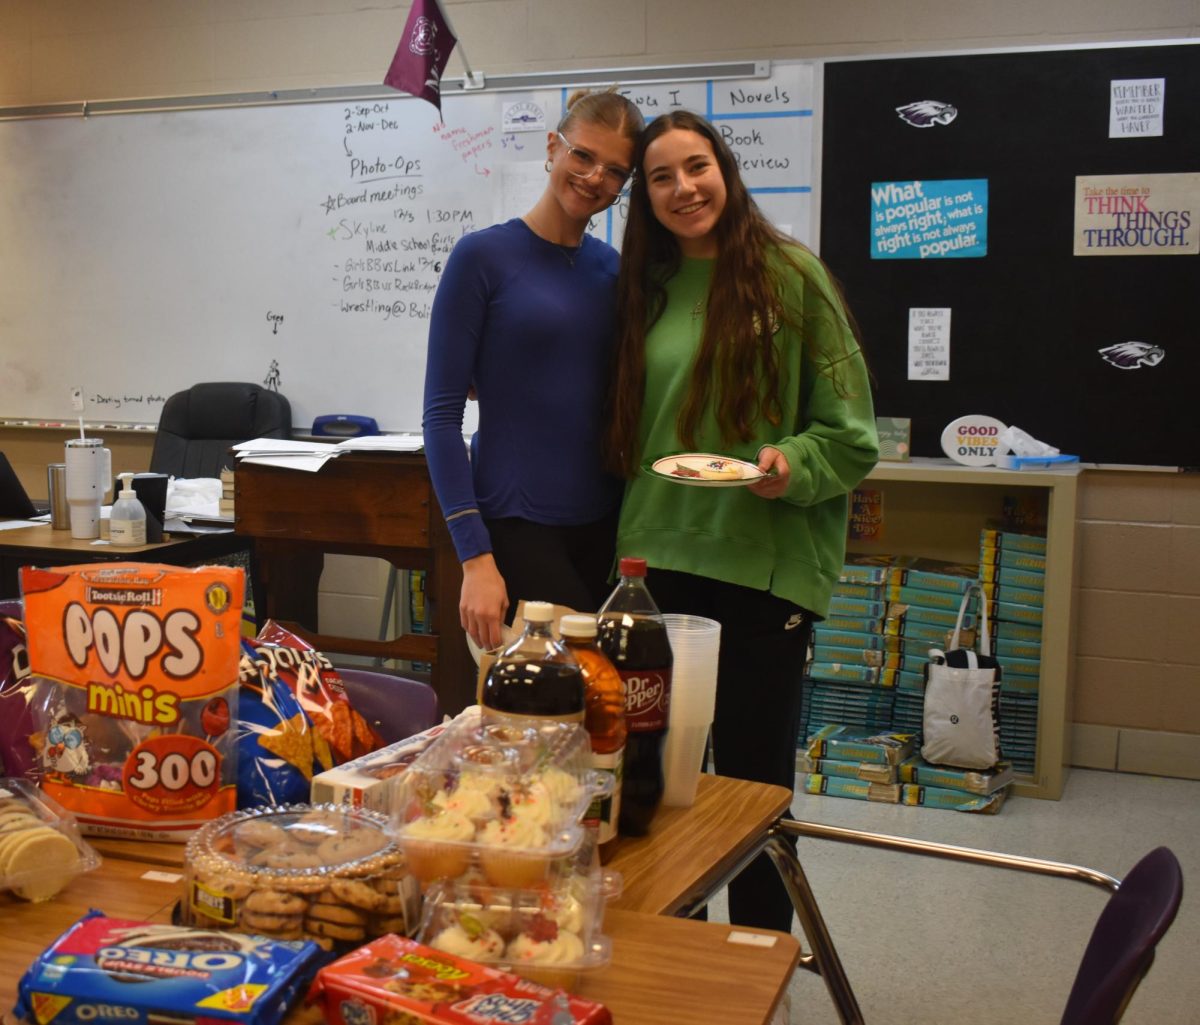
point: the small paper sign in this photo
(1136, 108)
(929, 344)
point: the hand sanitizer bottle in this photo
(127, 522)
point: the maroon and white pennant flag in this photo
(422, 54)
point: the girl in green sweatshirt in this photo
(735, 341)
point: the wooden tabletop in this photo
(44, 536)
(684, 972)
(689, 850)
(663, 969)
(118, 888)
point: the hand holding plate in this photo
(774, 465)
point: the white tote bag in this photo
(962, 700)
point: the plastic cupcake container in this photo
(551, 935)
(500, 796)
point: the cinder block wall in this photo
(1138, 673)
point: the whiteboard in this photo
(299, 245)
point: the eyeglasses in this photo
(581, 164)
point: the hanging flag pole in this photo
(422, 54)
(471, 80)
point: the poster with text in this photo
(866, 515)
(1135, 109)
(929, 344)
(929, 220)
(1137, 215)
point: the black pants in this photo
(764, 640)
(566, 565)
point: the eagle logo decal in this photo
(927, 113)
(1133, 355)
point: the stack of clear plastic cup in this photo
(695, 645)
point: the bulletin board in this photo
(969, 183)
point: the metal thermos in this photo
(56, 481)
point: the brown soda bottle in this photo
(634, 637)
(604, 719)
(535, 677)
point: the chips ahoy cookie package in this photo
(395, 980)
(137, 973)
(136, 688)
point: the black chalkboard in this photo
(1029, 318)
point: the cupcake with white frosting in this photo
(470, 938)
(513, 852)
(437, 845)
(546, 953)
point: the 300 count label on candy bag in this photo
(136, 689)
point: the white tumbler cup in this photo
(89, 476)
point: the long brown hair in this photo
(744, 296)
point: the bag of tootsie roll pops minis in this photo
(135, 671)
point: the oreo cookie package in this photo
(141, 973)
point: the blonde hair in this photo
(605, 108)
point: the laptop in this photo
(14, 502)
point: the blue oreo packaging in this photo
(141, 973)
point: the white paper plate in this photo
(687, 467)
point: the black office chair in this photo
(198, 426)
(14, 502)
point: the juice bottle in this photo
(604, 719)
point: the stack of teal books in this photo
(982, 791)
(924, 596)
(844, 761)
(884, 767)
(869, 653)
(852, 674)
(1012, 568)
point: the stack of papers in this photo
(383, 443)
(293, 455)
(312, 455)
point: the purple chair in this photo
(1121, 948)
(395, 706)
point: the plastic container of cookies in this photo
(322, 872)
(552, 935)
(41, 850)
(500, 796)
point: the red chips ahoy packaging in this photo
(138, 973)
(393, 979)
(136, 688)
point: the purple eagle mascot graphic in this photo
(1133, 355)
(927, 113)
